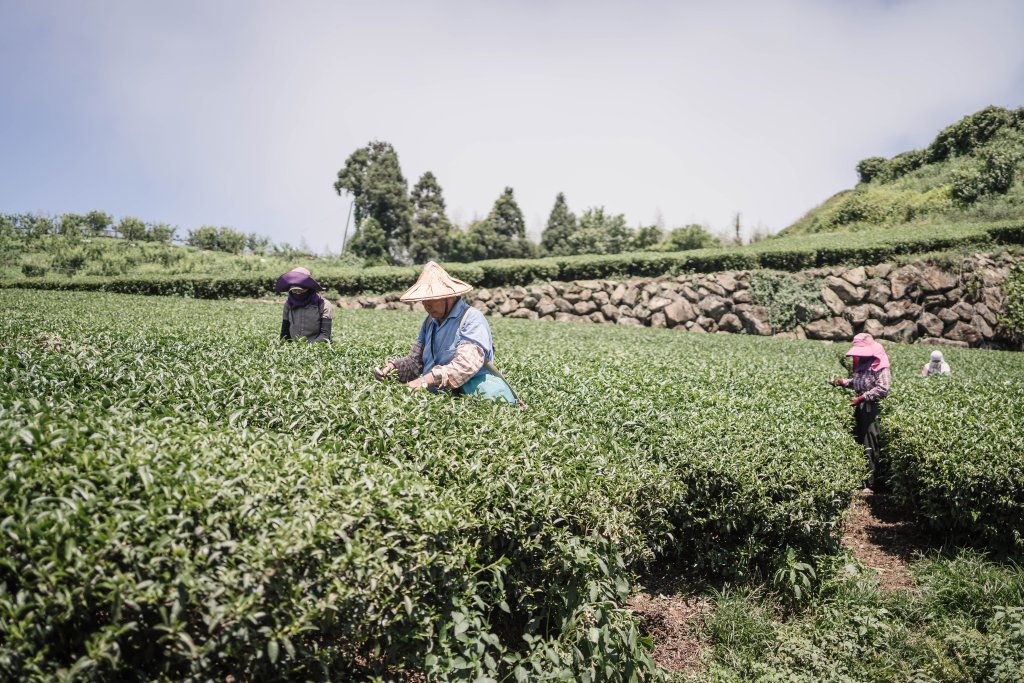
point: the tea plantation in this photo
(184, 497)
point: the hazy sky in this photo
(240, 113)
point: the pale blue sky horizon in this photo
(241, 113)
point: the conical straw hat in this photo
(435, 283)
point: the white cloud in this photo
(241, 113)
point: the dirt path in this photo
(883, 538)
(670, 616)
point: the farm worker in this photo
(454, 350)
(936, 366)
(871, 381)
(306, 314)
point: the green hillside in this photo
(973, 171)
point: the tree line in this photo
(132, 229)
(394, 225)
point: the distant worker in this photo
(307, 315)
(454, 350)
(936, 366)
(871, 381)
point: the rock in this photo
(744, 296)
(507, 307)
(610, 312)
(618, 295)
(912, 311)
(601, 298)
(833, 329)
(714, 306)
(939, 341)
(727, 281)
(962, 332)
(706, 323)
(730, 322)
(932, 302)
(572, 296)
(878, 292)
(631, 296)
(694, 327)
(566, 317)
(904, 332)
(807, 312)
(518, 293)
(855, 276)
(586, 294)
(881, 270)
(895, 311)
(799, 332)
(529, 301)
(930, 325)
(832, 301)
(755, 320)
(588, 284)
(947, 316)
(964, 311)
(993, 298)
(956, 295)
(678, 312)
(986, 313)
(712, 288)
(858, 315)
(657, 303)
(629, 321)
(524, 313)
(642, 313)
(902, 280)
(546, 306)
(563, 305)
(597, 317)
(691, 295)
(848, 293)
(584, 307)
(935, 280)
(983, 328)
(483, 295)
(874, 328)
(658, 320)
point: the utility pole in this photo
(344, 235)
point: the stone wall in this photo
(958, 305)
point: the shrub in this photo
(872, 168)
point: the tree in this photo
(503, 233)
(71, 225)
(373, 177)
(132, 229)
(600, 233)
(562, 224)
(692, 236)
(370, 242)
(97, 223)
(464, 247)
(646, 237)
(430, 226)
(257, 244)
(160, 232)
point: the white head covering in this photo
(936, 356)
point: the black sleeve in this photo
(325, 330)
(286, 329)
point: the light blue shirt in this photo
(440, 339)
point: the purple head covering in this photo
(866, 348)
(299, 277)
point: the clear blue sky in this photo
(239, 113)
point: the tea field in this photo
(184, 497)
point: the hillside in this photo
(973, 171)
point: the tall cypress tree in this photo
(503, 233)
(431, 228)
(561, 225)
(374, 177)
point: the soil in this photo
(884, 538)
(671, 615)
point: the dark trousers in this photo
(865, 431)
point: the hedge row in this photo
(792, 254)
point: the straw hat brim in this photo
(435, 283)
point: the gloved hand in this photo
(382, 373)
(856, 400)
(835, 381)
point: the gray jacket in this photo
(312, 322)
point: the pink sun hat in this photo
(865, 346)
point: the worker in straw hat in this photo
(454, 350)
(307, 315)
(871, 381)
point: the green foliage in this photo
(691, 236)
(224, 239)
(992, 175)
(132, 229)
(1013, 319)
(782, 295)
(871, 168)
(962, 622)
(373, 176)
(968, 134)
(562, 224)
(182, 503)
(371, 243)
(430, 225)
(600, 233)
(955, 450)
(646, 237)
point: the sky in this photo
(240, 112)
